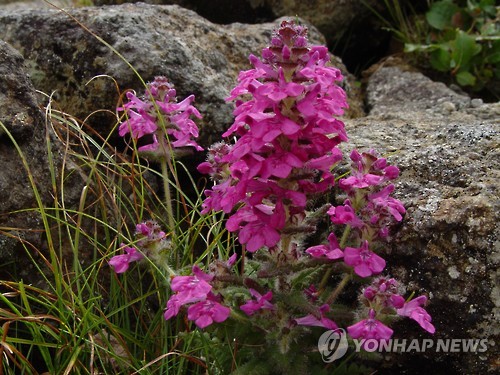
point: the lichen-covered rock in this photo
(196, 55)
(447, 148)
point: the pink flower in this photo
(121, 263)
(364, 261)
(382, 205)
(258, 226)
(317, 321)
(150, 233)
(384, 292)
(191, 288)
(413, 310)
(286, 139)
(196, 289)
(367, 170)
(232, 260)
(262, 302)
(332, 251)
(345, 215)
(173, 307)
(370, 328)
(159, 114)
(206, 312)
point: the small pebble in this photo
(475, 103)
(449, 106)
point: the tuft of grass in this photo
(82, 317)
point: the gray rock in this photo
(23, 121)
(197, 56)
(25, 143)
(448, 244)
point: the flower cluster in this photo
(152, 242)
(368, 212)
(196, 290)
(287, 140)
(158, 117)
(382, 299)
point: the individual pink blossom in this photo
(414, 310)
(364, 261)
(370, 328)
(382, 205)
(232, 260)
(332, 251)
(206, 312)
(191, 288)
(318, 321)
(261, 225)
(261, 302)
(173, 307)
(121, 263)
(345, 215)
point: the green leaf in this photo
(440, 14)
(494, 58)
(464, 47)
(465, 79)
(441, 60)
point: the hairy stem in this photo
(168, 198)
(328, 273)
(333, 295)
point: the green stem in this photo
(170, 271)
(168, 198)
(328, 273)
(333, 296)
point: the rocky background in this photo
(446, 143)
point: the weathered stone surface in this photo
(448, 245)
(25, 143)
(197, 56)
(350, 26)
(24, 121)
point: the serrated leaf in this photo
(440, 14)
(441, 60)
(465, 79)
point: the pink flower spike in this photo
(262, 303)
(370, 328)
(322, 321)
(121, 263)
(364, 261)
(208, 311)
(413, 310)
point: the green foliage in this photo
(82, 318)
(461, 39)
